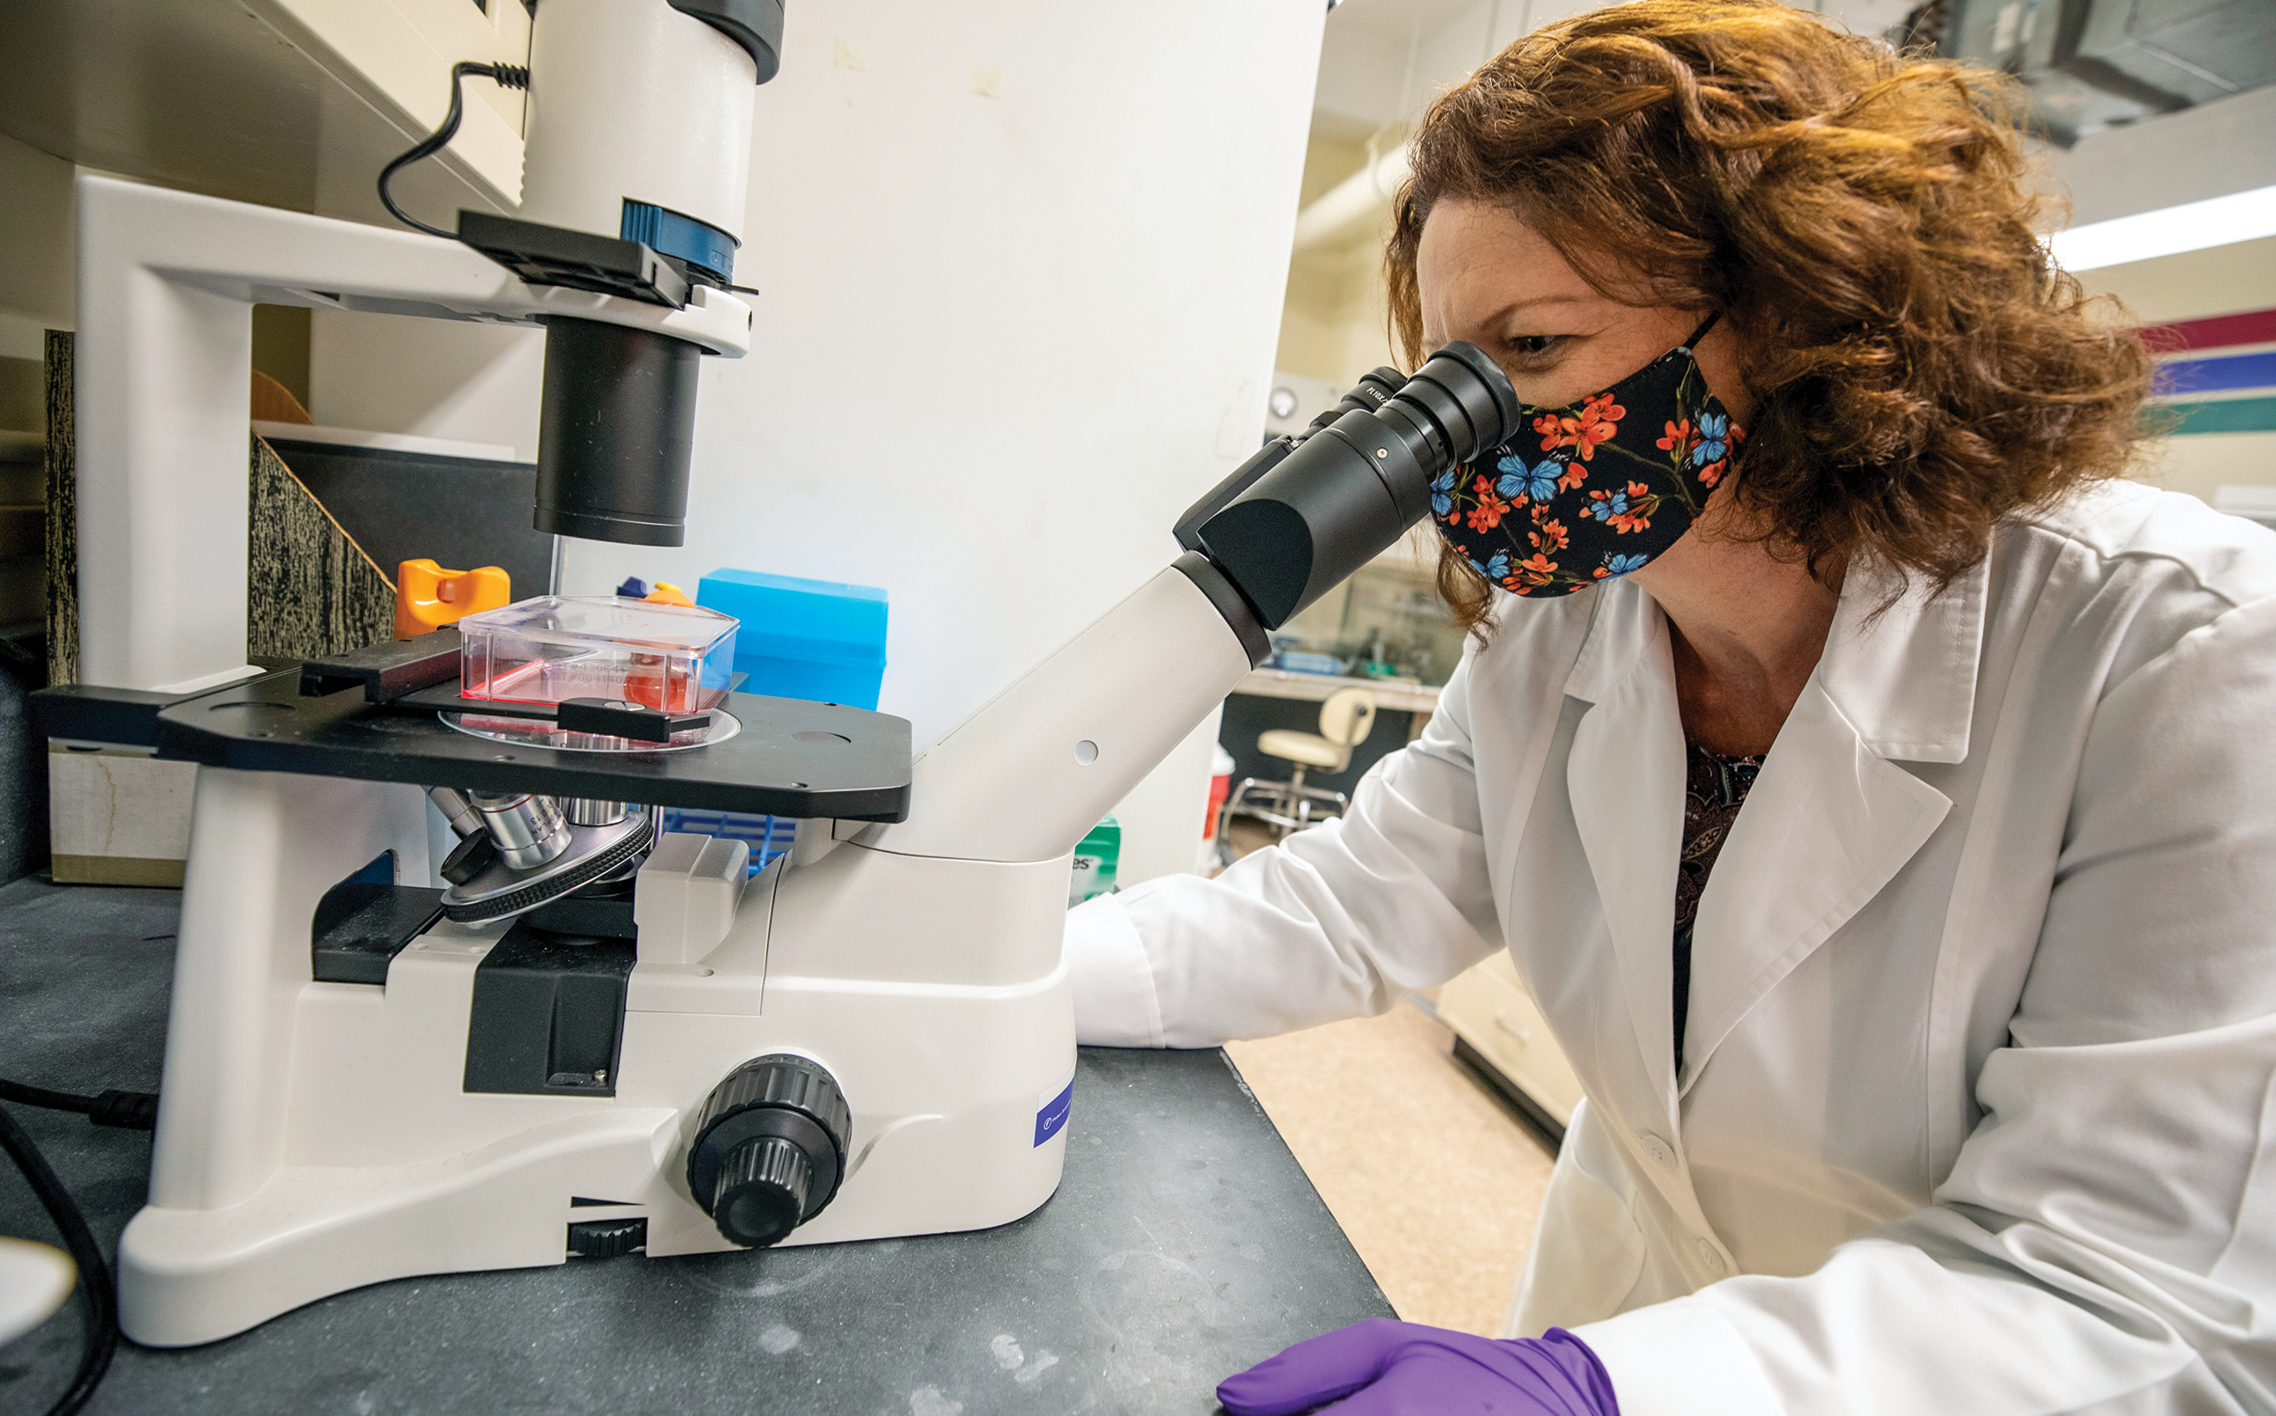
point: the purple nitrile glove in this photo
(1385, 1368)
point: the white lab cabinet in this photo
(397, 57)
(1490, 1011)
(286, 103)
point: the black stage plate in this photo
(792, 758)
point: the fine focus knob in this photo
(770, 1148)
(761, 1192)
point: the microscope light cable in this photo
(512, 76)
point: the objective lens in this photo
(529, 830)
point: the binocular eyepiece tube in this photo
(1295, 520)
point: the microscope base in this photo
(316, 1137)
(944, 1140)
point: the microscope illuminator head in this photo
(634, 176)
(639, 134)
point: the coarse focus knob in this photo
(770, 1148)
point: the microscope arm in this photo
(1025, 777)
(1036, 767)
(167, 282)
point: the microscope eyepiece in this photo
(1375, 388)
(1307, 511)
(1467, 396)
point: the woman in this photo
(1941, 1076)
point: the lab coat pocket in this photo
(1588, 1250)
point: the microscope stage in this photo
(792, 757)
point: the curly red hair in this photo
(1860, 216)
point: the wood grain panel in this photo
(62, 516)
(310, 589)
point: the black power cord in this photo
(131, 1111)
(94, 1274)
(512, 76)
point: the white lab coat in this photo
(1977, 1112)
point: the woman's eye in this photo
(1533, 346)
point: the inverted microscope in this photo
(599, 1038)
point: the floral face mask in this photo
(1616, 480)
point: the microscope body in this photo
(873, 1036)
(316, 1136)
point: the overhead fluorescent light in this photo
(2192, 226)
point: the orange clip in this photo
(666, 593)
(427, 597)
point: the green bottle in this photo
(1094, 863)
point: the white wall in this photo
(2210, 150)
(1021, 268)
(2193, 285)
(1332, 324)
(1381, 63)
(435, 378)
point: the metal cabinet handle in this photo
(1501, 1020)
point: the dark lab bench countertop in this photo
(1184, 1244)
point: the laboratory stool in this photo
(1345, 720)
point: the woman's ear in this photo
(1722, 363)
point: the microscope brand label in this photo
(1051, 1107)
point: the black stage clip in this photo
(603, 717)
(386, 670)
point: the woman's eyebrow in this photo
(1528, 303)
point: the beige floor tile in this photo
(1437, 1184)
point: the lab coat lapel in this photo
(1626, 779)
(1832, 819)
